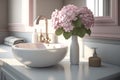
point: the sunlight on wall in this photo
(25, 11)
(88, 52)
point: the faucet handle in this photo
(42, 39)
(47, 39)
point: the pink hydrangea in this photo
(55, 19)
(64, 17)
(86, 17)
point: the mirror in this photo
(99, 7)
(105, 11)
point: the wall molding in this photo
(18, 27)
(102, 40)
(106, 31)
(27, 18)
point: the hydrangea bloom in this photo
(87, 17)
(65, 20)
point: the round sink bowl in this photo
(39, 55)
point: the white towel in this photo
(11, 40)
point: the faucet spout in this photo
(46, 39)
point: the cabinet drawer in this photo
(6, 76)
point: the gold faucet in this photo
(42, 38)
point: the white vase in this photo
(74, 51)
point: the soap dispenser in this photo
(94, 61)
(35, 36)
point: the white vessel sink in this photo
(39, 55)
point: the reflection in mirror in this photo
(99, 7)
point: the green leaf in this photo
(88, 32)
(59, 31)
(67, 35)
(82, 32)
(79, 32)
(76, 31)
(77, 23)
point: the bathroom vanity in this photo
(11, 69)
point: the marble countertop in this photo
(62, 71)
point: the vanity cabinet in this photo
(6, 76)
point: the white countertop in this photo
(61, 71)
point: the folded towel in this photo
(12, 40)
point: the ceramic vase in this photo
(74, 51)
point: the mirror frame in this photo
(109, 20)
(107, 27)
